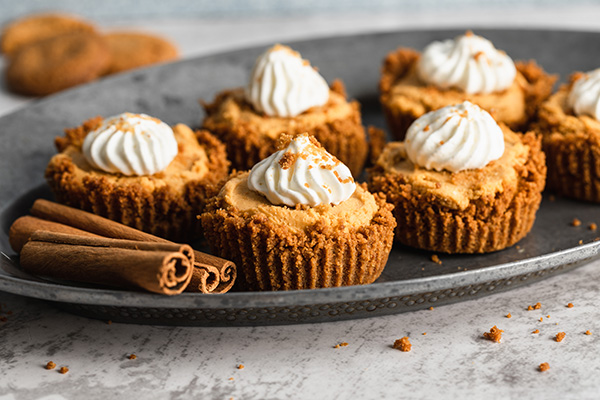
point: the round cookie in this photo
(133, 50)
(55, 64)
(39, 27)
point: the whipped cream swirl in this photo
(131, 144)
(469, 62)
(302, 173)
(454, 138)
(584, 97)
(282, 84)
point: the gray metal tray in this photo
(410, 281)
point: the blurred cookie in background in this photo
(54, 64)
(133, 50)
(39, 27)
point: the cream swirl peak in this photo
(454, 138)
(469, 62)
(131, 144)
(282, 84)
(302, 173)
(584, 97)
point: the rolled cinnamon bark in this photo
(164, 268)
(211, 274)
(22, 229)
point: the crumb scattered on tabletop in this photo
(560, 336)
(536, 331)
(541, 319)
(343, 344)
(132, 357)
(494, 334)
(63, 370)
(402, 344)
(436, 259)
(592, 226)
(240, 366)
(430, 308)
(544, 367)
(588, 332)
(570, 305)
(509, 315)
(536, 306)
(580, 241)
(425, 333)
(50, 365)
(575, 222)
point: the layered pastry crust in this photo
(572, 147)
(405, 97)
(284, 248)
(251, 136)
(471, 211)
(166, 204)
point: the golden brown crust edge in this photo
(397, 64)
(163, 212)
(486, 225)
(345, 139)
(572, 149)
(271, 258)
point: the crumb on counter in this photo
(240, 366)
(548, 316)
(132, 356)
(580, 241)
(231, 378)
(425, 333)
(343, 344)
(536, 331)
(592, 226)
(544, 367)
(541, 319)
(536, 306)
(509, 315)
(494, 334)
(436, 259)
(52, 365)
(575, 222)
(402, 344)
(430, 308)
(588, 332)
(63, 370)
(570, 305)
(560, 336)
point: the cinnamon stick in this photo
(22, 229)
(164, 268)
(211, 274)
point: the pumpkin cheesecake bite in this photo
(137, 170)
(467, 67)
(286, 94)
(569, 123)
(460, 182)
(298, 220)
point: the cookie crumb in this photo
(425, 333)
(240, 366)
(509, 315)
(430, 308)
(570, 305)
(132, 357)
(436, 259)
(536, 331)
(231, 378)
(560, 336)
(494, 334)
(592, 226)
(536, 306)
(588, 332)
(63, 370)
(581, 241)
(541, 319)
(548, 316)
(575, 222)
(52, 365)
(402, 344)
(544, 367)
(343, 344)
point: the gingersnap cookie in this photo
(57, 63)
(40, 27)
(133, 50)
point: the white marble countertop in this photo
(451, 360)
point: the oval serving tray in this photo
(410, 281)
